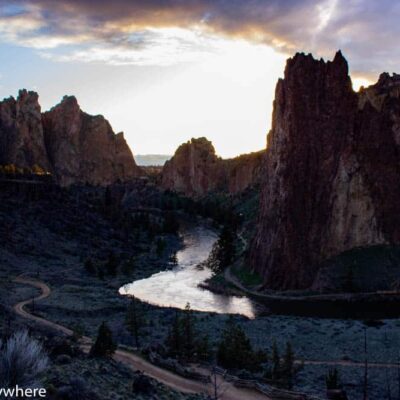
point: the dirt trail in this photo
(176, 382)
(132, 360)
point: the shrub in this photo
(22, 360)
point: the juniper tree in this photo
(332, 379)
(188, 333)
(288, 365)
(104, 346)
(276, 362)
(183, 339)
(135, 320)
(174, 338)
(235, 350)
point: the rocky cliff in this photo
(83, 148)
(243, 171)
(196, 170)
(74, 146)
(21, 132)
(332, 174)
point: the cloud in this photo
(163, 32)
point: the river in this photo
(178, 286)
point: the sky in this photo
(164, 71)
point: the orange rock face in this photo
(74, 146)
(21, 132)
(196, 170)
(332, 174)
(84, 148)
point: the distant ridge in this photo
(146, 160)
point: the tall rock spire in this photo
(328, 162)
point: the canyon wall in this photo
(332, 175)
(195, 170)
(21, 132)
(75, 147)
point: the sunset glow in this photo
(164, 73)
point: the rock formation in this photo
(332, 173)
(193, 170)
(74, 146)
(243, 171)
(83, 148)
(196, 170)
(21, 132)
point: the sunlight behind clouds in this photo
(153, 46)
(359, 81)
(164, 71)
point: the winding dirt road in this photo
(176, 382)
(132, 360)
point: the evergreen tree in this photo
(235, 350)
(135, 320)
(104, 345)
(288, 366)
(174, 338)
(276, 362)
(173, 259)
(225, 248)
(332, 379)
(203, 349)
(188, 333)
(183, 340)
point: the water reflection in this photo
(176, 287)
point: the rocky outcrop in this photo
(72, 145)
(21, 132)
(243, 171)
(84, 149)
(195, 170)
(332, 173)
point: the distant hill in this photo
(146, 160)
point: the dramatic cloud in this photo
(169, 31)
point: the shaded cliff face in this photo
(243, 171)
(196, 170)
(332, 172)
(84, 149)
(74, 146)
(193, 170)
(21, 132)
